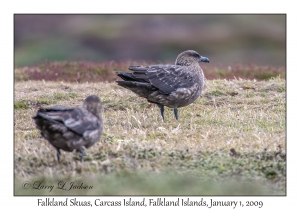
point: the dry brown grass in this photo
(249, 116)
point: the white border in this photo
(254, 6)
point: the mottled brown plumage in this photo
(70, 128)
(173, 86)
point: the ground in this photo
(231, 141)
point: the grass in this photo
(231, 141)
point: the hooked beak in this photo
(204, 59)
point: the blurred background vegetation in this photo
(225, 39)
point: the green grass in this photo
(222, 144)
(22, 104)
(141, 183)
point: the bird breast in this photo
(185, 96)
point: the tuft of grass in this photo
(214, 93)
(61, 95)
(220, 138)
(46, 101)
(281, 89)
(22, 104)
